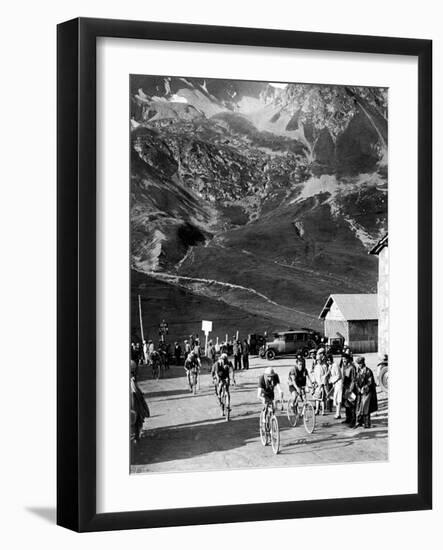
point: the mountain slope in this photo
(242, 198)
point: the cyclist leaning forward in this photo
(220, 372)
(192, 363)
(267, 383)
(297, 378)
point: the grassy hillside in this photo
(185, 310)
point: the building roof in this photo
(353, 307)
(380, 245)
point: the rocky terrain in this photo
(251, 203)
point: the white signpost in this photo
(206, 328)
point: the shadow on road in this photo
(194, 439)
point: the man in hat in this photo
(349, 389)
(237, 351)
(177, 353)
(366, 394)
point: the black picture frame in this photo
(76, 280)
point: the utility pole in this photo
(141, 318)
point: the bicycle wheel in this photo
(384, 378)
(222, 401)
(228, 406)
(292, 412)
(309, 417)
(275, 435)
(263, 433)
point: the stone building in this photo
(381, 250)
(353, 317)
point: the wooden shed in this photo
(354, 317)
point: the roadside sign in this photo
(206, 328)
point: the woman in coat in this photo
(349, 389)
(366, 394)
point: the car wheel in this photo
(383, 378)
(270, 354)
(305, 352)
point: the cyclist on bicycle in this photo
(220, 372)
(192, 365)
(155, 360)
(297, 378)
(267, 383)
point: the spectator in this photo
(139, 407)
(237, 351)
(133, 352)
(139, 353)
(320, 379)
(145, 352)
(187, 348)
(349, 389)
(366, 394)
(177, 353)
(336, 380)
(245, 354)
(197, 349)
(211, 351)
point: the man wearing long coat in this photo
(366, 393)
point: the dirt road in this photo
(186, 432)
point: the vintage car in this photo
(256, 342)
(290, 342)
(334, 345)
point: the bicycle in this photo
(269, 430)
(155, 366)
(193, 381)
(225, 401)
(307, 412)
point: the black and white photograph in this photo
(259, 274)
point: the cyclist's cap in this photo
(269, 371)
(224, 356)
(320, 350)
(360, 360)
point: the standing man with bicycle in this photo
(321, 373)
(297, 379)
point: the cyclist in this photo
(297, 378)
(221, 376)
(155, 360)
(220, 372)
(192, 364)
(267, 383)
